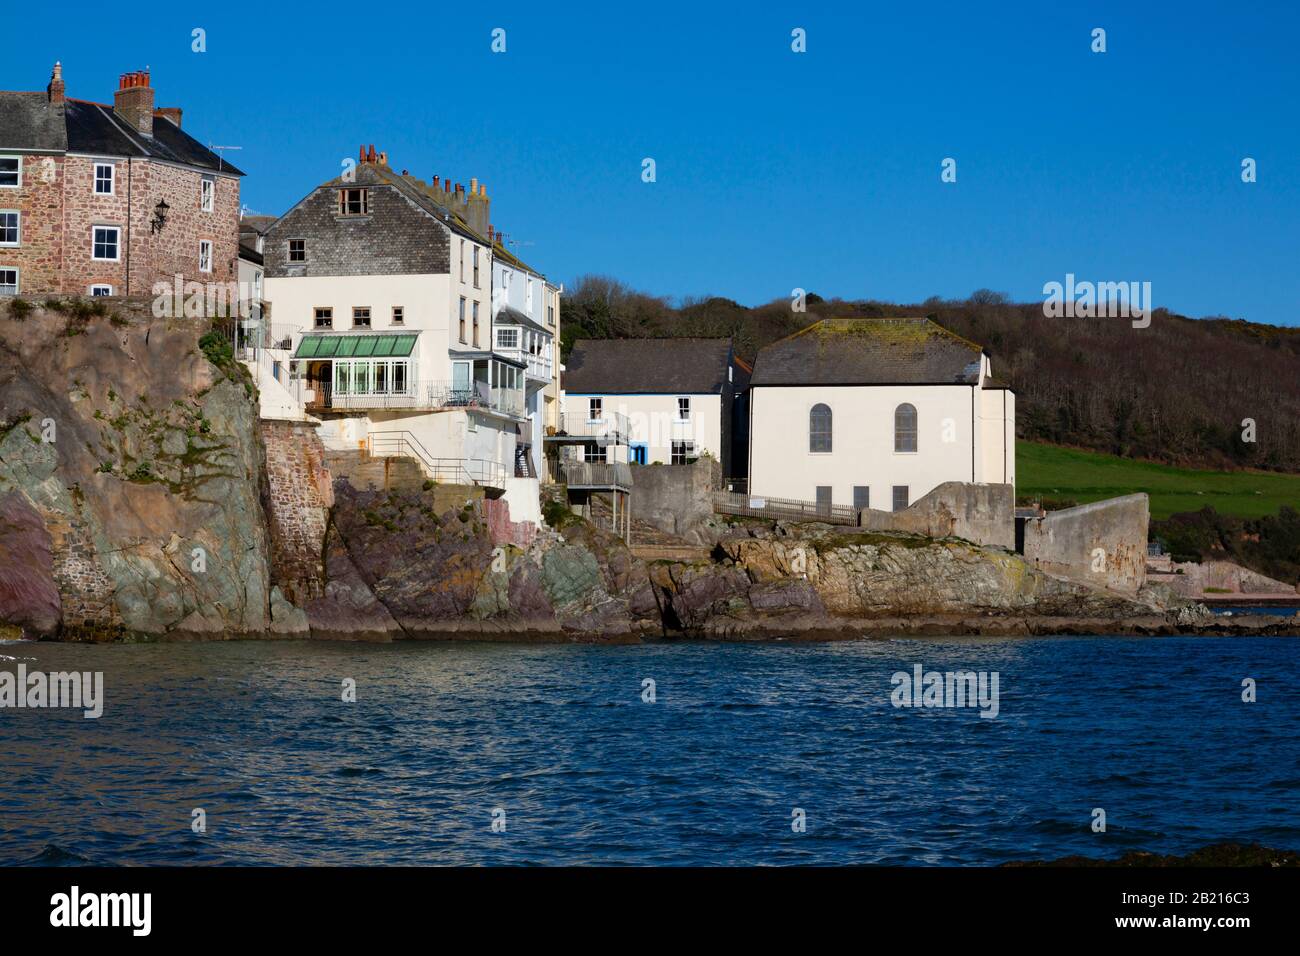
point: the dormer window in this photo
(354, 202)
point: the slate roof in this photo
(902, 351)
(647, 366)
(28, 121)
(509, 315)
(428, 198)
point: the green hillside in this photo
(1056, 472)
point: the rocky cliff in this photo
(129, 472)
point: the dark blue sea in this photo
(558, 743)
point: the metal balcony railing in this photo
(611, 429)
(418, 395)
(457, 471)
(595, 474)
(536, 366)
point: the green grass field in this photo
(1056, 472)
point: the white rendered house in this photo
(525, 325)
(875, 413)
(672, 398)
(384, 282)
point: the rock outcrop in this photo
(140, 457)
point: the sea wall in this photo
(982, 513)
(1219, 578)
(1103, 544)
(677, 499)
(298, 495)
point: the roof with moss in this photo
(901, 351)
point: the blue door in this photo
(637, 453)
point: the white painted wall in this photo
(652, 419)
(423, 298)
(949, 447)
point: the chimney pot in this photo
(133, 101)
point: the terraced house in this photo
(381, 285)
(109, 200)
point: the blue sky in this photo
(774, 169)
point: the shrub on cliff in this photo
(19, 309)
(1268, 545)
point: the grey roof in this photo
(509, 315)
(869, 352)
(647, 366)
(28, 121)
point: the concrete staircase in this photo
(365, 471)
(648, 542)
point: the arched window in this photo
(819, 428)
(905, 428)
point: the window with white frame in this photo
(462, 261)
(361, 316)
(324, 317)
(8, 281)
(507, 338)
(205, 255)
(399, 315)
(101, 290)
(106, 243)
(476, 267)
(683, 453)
(10, 227)
(595, 410)
(297, 250)
(683, 408)
(207, 190)
(593, 453)
(104, 179)
(11, 172)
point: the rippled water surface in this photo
(1152, 730)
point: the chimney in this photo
(489, 234)
(133, 101)
(172, 113)
(55, 89)
(477, 207)
(383, 159)
(370, 154)
(435, 182)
